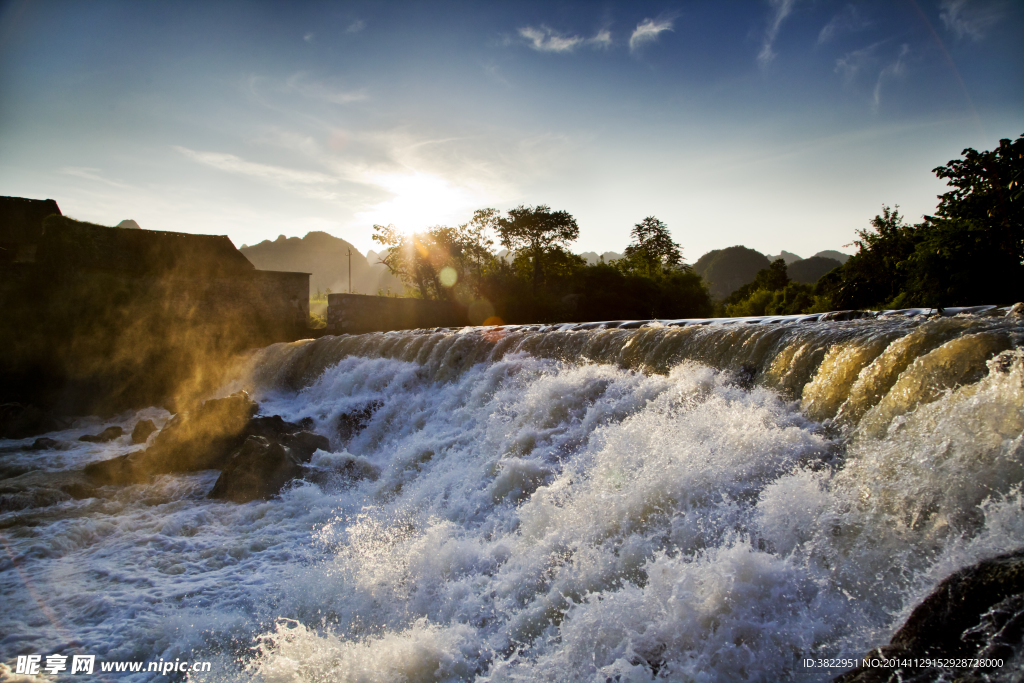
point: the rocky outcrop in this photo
(202, 439)
(976, 613)
(108, 434)
(142, 430)
(273, 454)
(257, 456)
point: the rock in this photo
(259, 469)
(1017, 310)
(44, 444)
(108, 434)
(143, 428)
(202, 439)
(354, 421)
(340, 470)
(978, 612)
(19, 421)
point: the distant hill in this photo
(831, 253)
(787, 256)
(809, 270)
(325, 257)
(593, 258)
(726, 270)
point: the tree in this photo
(535, 231)
(421, 258)
(876, 275)
(652, 247)
(972, 249)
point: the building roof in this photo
(21, 220)
(68, 243)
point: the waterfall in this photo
(582, 503)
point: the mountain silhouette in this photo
(325, 258)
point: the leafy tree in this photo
(876, 275)
(534, 232)
(652, 247)
(972, 249)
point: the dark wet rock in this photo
(108, 434)
(202, 439)
(259, 469)
(45, 444)
(342, 470)
(976, 613)
(42, 489)
(351, 422)
(132, 468)
(19, 421)
(143, 428)
(304, 444)
(1017, 310)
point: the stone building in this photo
(101, 317)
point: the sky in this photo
(776, 124)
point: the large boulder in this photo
(263, 464)
(108, 434)
(202, 439)
(976, 613)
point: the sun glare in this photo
(420, 200)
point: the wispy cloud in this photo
(892, 70)
(91, 173)
(356, 26)
(544, 39)
(319, 91)
(847, 21)
(973, 20)
(852, 63)
(310, 183)
(308, 37)
(602, 38)
(780, 10)
(647, 31)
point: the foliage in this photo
(877, 273)
(652, 248)
(971, 251)
(534, 232)
(771, 293)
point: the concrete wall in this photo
(360, 313)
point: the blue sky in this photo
(779, 124)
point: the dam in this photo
(607, 501)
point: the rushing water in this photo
(704, 503)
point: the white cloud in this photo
(308, 37)
(647, 31)
(892, 70)
(847, 21)
(602, 38)
(780, 10)
(543, 39)
(965, 18)
(356, 26)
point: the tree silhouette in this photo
(653, 246)
(535, 231)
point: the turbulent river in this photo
(702, 503)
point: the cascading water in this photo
(703, 503)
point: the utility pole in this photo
(349, 271)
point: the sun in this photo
(420, 200)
